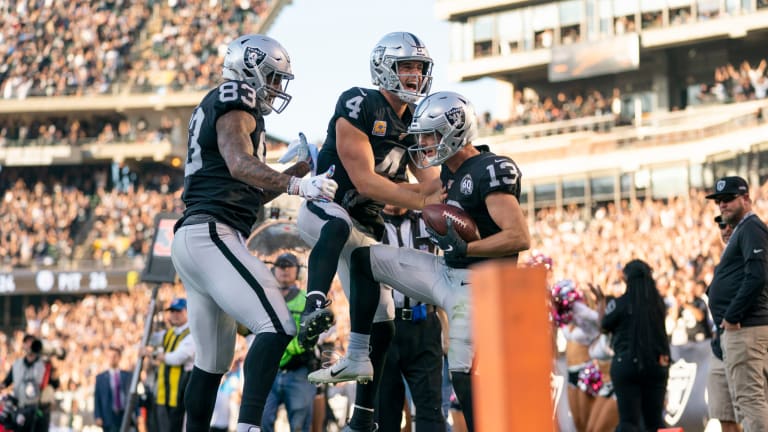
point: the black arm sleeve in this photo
(753, 242)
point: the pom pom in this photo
(564, 295)
(590, 380)
(538, 259)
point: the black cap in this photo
(733, 185)
(287, 260)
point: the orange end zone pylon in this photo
(513, 349)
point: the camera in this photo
(10, 417)
(47, 349)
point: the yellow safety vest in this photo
(171, 379)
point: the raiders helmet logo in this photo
(377, 55)
(682, 376)
(720, 185)
(456, 117)
(253, 57)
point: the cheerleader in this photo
(580, 327)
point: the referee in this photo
(416, 353)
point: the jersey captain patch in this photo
(379, 128)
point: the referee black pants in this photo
(639, 393)
(416, 354)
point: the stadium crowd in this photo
(676, 236)
(110, 208)
(103, 46)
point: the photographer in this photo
(33, 379)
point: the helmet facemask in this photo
(273, 95)
(416, 85)
(429, 150)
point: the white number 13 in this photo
(506, 179)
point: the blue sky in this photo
(330, 42)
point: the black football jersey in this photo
(208, 186)
(369, 111)
(467, 188)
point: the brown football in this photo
(435, 216)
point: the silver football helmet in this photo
(385, 58)
(264, 64)
(443, 123)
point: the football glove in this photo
(320, 187)
(451, 243)
(302, 151)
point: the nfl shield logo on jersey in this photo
(456, 117)
(253, 57)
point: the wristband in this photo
(293, 186)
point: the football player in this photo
(485, 185)
(368, 145)
(226, 182)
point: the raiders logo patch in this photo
(682, 377)
(379, 128)
(466, 185)
(456, 117)
(720, 185)
(253, 57)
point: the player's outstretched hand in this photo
(451, 243)
(320, 187)
(437, 197)
(302, 151)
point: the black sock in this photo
(324, 259)
(200, 398)
(364, 291)
(259, 369)
(366, 394)
(462, 385)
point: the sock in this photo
(362, 418)
(364, 291)
(357, 349)
(200, 398)
(462, 385)
(366, 394)
(260, 369)
(324, 258)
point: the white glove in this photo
(320, 187)
(301, 150)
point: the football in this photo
(435, 217)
